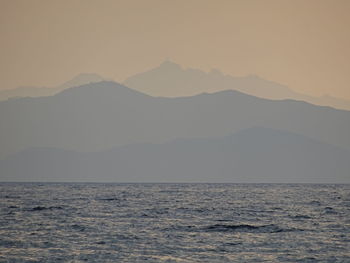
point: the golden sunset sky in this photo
(304, 44)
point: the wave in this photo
(109, 199)
(247, 228)
(40, 208)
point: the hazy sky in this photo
(304, 44)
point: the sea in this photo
(161, 222)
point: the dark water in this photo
(174, 223)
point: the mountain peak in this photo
(88, 76)
(82, 79)
(168, 64)
(102, 89)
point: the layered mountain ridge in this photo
(171, 80)
(96, 117)
(32, 91)
(252, 155)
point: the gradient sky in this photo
(304, 44)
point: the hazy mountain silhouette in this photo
(170, 79)
(252, 155)
(99, 116)
(81, 79)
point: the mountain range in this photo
(106, 131)
(32, 91)
(171, 80)
(252, 155)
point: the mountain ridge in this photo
(101, 115)
(33, 91)
(184, 83)
(279, 156)
(171, 80)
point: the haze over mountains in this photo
(171, 80)
(252, 155)
(81, 79)
(296, 141)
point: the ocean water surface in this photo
(78, 222)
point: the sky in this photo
(304, 44)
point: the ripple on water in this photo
(174, 223)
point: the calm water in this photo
(174, 223)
